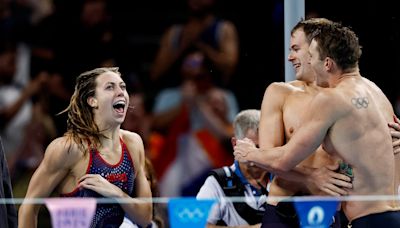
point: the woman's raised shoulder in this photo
(65, 146)
(63, 150)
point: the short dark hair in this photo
(339, 43)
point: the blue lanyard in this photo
(238, 172)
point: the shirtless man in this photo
(350, 116)
(94, 158)
(282, 111)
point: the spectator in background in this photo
(196, 120)
(76, 37)
(238, 180)
(90, 38)
(8, 213)
(203, 31)
(16, 102)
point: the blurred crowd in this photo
(182, 103)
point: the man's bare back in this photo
(363, 102)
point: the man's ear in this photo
(328, 63)
(92, 102)
(233, 141)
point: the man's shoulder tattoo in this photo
(360, 102)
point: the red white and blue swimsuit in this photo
(121, 175)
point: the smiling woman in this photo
(95, 158)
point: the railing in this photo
(313, 211)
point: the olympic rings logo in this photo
(360, 102)
(190, 213)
